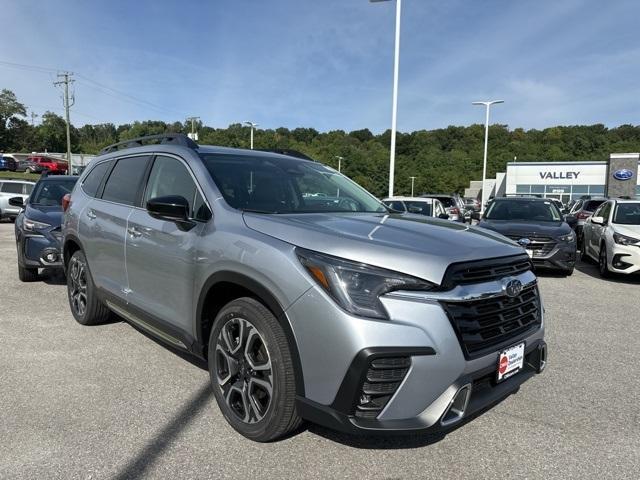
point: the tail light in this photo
(66, 202)
(583, 215)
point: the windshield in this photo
(266, 184)
(627, 214)
(50, 192)
(523, 210)
(592, 205)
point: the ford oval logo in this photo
(512, 287)
(524, 242)
(623, 174)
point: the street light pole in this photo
(252, 125)
(394, 108)
(486, 145)
(412, 181)
(339, 162)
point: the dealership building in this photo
(616, 177)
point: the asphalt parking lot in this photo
(108, 402)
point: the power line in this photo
(105, 89)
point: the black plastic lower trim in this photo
(349, 391)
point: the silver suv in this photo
(307, 297)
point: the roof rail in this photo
(286, 151)
(165, 139)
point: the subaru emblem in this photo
(524, 242)
(623, 174)
(512, 287)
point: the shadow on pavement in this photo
(591, 269)
(145, 458)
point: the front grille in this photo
(483, 325)
(484, 270)
(540, 246)
(383, 378)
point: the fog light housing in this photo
(618, 263)
(50, 256)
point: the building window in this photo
(596, 190)
(523, 189)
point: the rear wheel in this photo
(27, 274)
(86, 308)
(603, 266)
(252, 371)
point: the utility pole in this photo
(253, 126)
(193, 135)
(33, 116)
(413, 179)
(339, 162)
(66, 81)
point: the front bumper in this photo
(562, 257)
(480, 389)
(40, 251)
(624, 258)
(337, 351)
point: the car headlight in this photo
(32, 226)
(570, 237)
(357, 287)
(624, 240)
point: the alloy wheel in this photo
(243, 370)
(78, 287)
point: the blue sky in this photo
(327, 64)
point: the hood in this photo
(45, 214)
(412, 244)
(527, 229)
(629, 230)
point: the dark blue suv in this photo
(38, 226)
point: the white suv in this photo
(612, 236)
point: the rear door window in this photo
(124, 183)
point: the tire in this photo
(27, 274)
(241, 381)
(86, 308)
(603, 266)
(584, 256)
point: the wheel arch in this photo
(225, 286)
(71, 245)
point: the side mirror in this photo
(444, 216)
(475, 216)
(597, 220)
(16, 202)
(572, 220)
(413, 209)
(173, 208)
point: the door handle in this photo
(91, 214)
(134, 232)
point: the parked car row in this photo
(34, 164)
(259, 262)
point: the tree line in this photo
(443, 160)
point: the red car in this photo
(53, 165)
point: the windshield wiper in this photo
(255, 210)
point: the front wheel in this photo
(85, 305)
(252, 371)
(603, 264)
